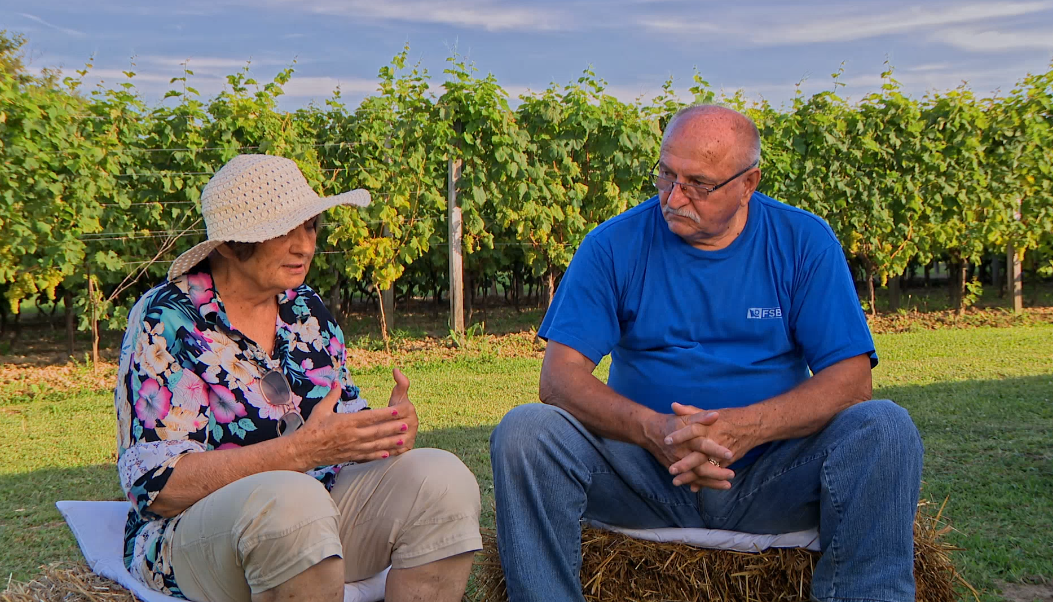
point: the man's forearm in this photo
(567, 382)
(598, 407)
(810, 406)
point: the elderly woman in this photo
(254, 469)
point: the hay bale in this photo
(67, 582)
(618, 567)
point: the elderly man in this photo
(738, 389)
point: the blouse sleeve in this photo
(153, 433)
(350, 400)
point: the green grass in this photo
(982, 398)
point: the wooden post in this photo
(1015, 271)
(94, 323)
(387, 301)
(453, 218)
(1015, 278)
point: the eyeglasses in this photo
(695, 192)
(278, 393)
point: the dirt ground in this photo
(1027, 592)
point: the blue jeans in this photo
(857, 480)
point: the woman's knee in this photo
(256, 533)
(442, 520)
(280, 501)
(441, 480)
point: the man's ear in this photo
(752, 180)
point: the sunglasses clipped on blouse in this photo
(277, 392)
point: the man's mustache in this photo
(684, 212)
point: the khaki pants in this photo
(261, 531)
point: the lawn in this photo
(982, 398)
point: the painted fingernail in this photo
(399, 442)
(384, 455)
(394, 412)
(404, 427)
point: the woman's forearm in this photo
(199, 474)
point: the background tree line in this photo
(99, 190)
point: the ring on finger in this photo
(714, 462)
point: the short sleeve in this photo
(350, 399)
(826, 318)
(584, 311)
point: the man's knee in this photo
(885, 425)
(526, 427)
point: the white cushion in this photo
(720, 540)
(99, 529)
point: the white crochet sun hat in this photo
(254, 198)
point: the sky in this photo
(764, 47)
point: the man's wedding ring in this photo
(714, 462)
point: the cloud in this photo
(916, 81)
(928, 67)
(322, 87)
(153, 83)
(65, 30)
(977, 40)
(775, 26)
(869, 25)
(675, 25)
(490, 15)
(208, 65)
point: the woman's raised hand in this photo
(331, 438)
(400, 403)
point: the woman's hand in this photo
(331, 438)
(399, 402)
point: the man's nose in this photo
(676, 196)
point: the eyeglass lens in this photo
(275, 388)
(289, 423)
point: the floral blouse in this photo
(188, 382)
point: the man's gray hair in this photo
(750, 131)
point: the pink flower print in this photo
(336, 348)
(322, 377)
(209, 308)
(153, 403)
(191, 392)
(224, 406)
(199, 288)
(229, 446)
(290, 294)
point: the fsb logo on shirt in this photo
(763, 313)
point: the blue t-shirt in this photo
(711, 329)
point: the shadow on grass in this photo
(32, 532)
(988, 450)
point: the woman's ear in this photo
(225, 252)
